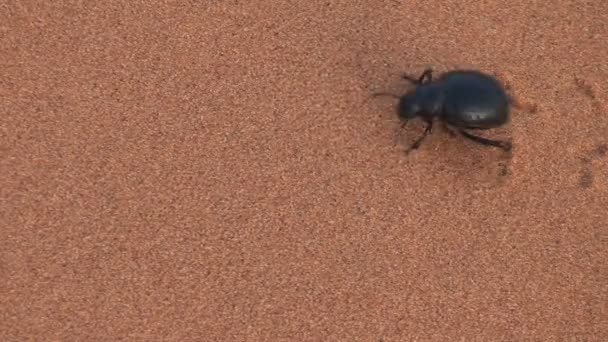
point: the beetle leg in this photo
(505, 145)
(428, 130)
(428, 73)
(411, 79)
(385, 94)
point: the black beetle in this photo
(460, 99)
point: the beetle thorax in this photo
(429, 99)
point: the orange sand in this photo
(186, 172)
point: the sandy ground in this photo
(184, 172)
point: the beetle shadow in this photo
(587, 176)
(462, 159)
(488, 165)
(587, 172)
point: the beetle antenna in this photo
(412, 80)
(386, 94)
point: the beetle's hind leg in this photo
(505, 145)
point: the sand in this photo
(183, 172)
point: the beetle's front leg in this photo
(428, 130)
(427, 74)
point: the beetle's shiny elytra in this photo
(461, 99)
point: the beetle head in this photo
(409, 107)
(425, 101)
